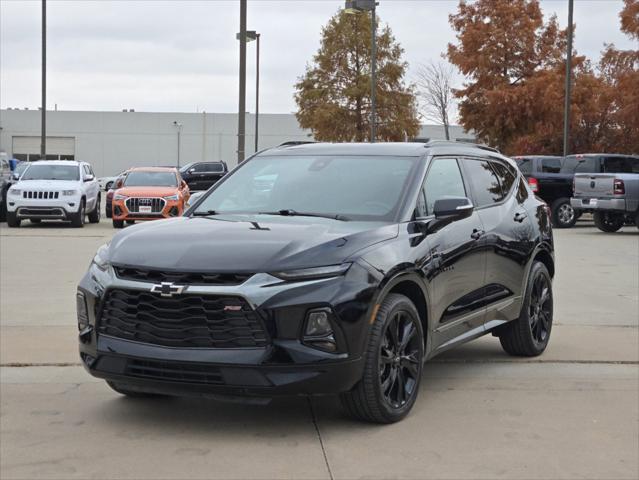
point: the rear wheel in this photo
(118, 223)
(131, 393)
(608, 222)
(94, 216)
(393, 364)
(528, 336)
(77, 219)
(563, 215)
(12, 220)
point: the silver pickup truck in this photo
(612, 197)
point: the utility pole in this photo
(241, 114)
(43, 139)
(568, 87)
(373, 74)
(257, 91)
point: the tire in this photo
(35, 220)
(77, 219)
(608, 222)
(386, 362)
(94, 216)
(108, 212)
(118, 223)
(131, 393)
(563, 215)
(12, 220)
(108, 186)
(528, 336)
(3, 207)
(130, 222)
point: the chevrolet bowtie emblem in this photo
(167, 289)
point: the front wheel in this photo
(393, 364)
(12, 220)
(77, 219)
(118, 223)
(608, 222)
(528, 336)
(94, 216)
(563, 215)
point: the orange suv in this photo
(149, 193)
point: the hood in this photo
(55, 185)
(148, 191)
(228, 244)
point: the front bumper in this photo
(59, 209)
(284, 366)
(171, 208)
(590, 203)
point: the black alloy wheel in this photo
(399, 359)
(608, 222)
(540, 308)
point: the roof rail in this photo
(431, 143)
(294, 143)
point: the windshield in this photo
(20, 168)
(52, 172)
(351, 187)
(150, 179)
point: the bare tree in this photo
(435, 92)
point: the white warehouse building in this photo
(114, 141)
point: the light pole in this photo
(241, 114)
(567, 90)
(366, 6)
(178, 125)
(43, 139)
(250, 36)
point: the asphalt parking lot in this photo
(571, 413)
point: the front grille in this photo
(185, 321)
(174, 371)
(38, 195)
(133, 204)
(188, 278)
(41, 212)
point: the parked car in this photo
(106, 183)
(203, 175)
(108, 209)
(614, 198)
(5, 183)
(546, 180)
(149, 193)
(55, 190)
(362, 262)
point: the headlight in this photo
(312, 273)
(118, 196)
(15, 191)
(100, 259)
(68, 193)
(172, 197)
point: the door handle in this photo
(520, 216)
(476, 234)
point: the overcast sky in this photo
(183, 56)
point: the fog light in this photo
(317, 324)
(83, 312)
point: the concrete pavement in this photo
(571, 413)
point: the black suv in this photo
(203, 175)
(324, 269)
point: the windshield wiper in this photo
(289, 212)
(204, 213)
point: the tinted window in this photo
(52, 172)
(525, 165)
(580, 164)
(522, 191)
(485, 185)
(506, 178)
(443, 180)
(208, 168)
(621, 165)
(356, 187)
(550, 165)
(141, 178)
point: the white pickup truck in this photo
(612, 197)
(55, 190)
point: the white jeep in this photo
(55, 190)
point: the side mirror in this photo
(88, 178)
(453, 208)
(191, 170)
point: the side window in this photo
(484, 182)
(587, 165)
(620, 165)
(522, 191)
(443, 180)
(506, 177)
(525, 165)
(85, 171)
(550, 165)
